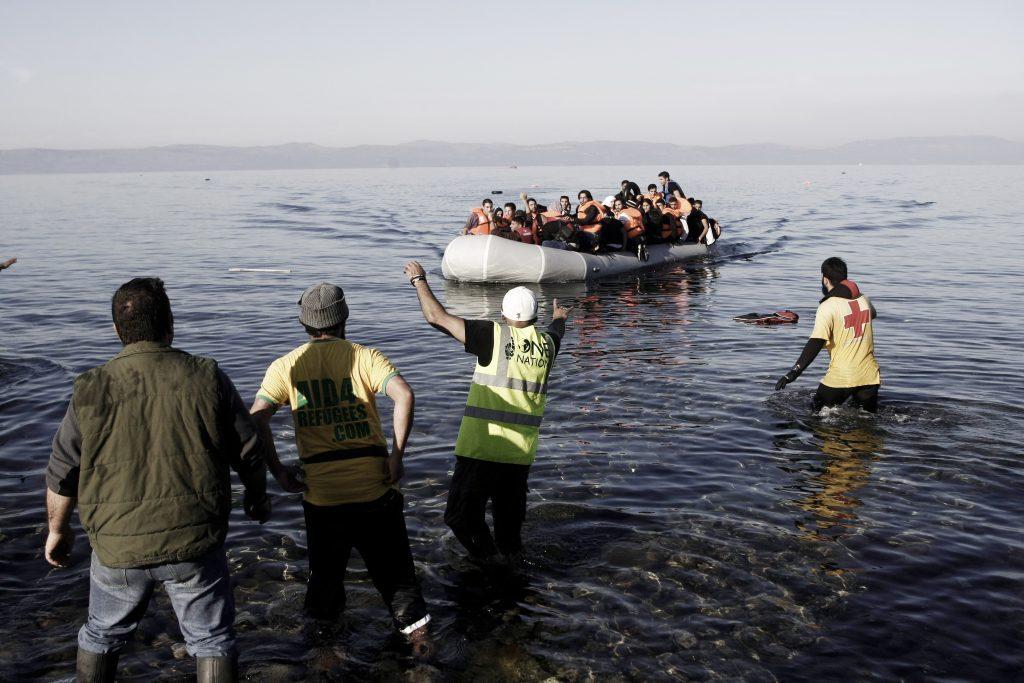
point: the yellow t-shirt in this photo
(845, 325)
(330, 386)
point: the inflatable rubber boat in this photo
(488, 258)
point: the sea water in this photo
(685, 521)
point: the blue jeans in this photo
(200, 592)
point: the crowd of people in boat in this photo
(629, 220)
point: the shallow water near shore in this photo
(685, 521)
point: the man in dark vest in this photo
(500, 428)
(144, 449)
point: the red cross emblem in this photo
(857, 319)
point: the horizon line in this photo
(513, 144)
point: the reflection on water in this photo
(830, 486)
(684, 522)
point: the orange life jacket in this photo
(483, 222)
(677, 226)
(581, 213)
(634, 222)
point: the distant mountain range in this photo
(934, 150)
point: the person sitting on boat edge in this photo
(592, 217)
(558, 231)
(843, 325)
(715, 227)
(633, 224)
(480, 219)
(697, 225)
(500, 427)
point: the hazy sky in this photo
(106, 73)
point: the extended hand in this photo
(58, 547)
(256, 507)
(413, 268)
(785, 379)
(560, 311)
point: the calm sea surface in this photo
(685, 521)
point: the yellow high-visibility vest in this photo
(506, 401)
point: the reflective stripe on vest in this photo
(505, 407)
(510, 383)
(503, 416)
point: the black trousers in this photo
(864, 397)
(377, 530)
(473, 484)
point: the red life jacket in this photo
(852, 286)
(525, 234)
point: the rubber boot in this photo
(217, 669)
(93, 667)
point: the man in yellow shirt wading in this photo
(843, 325)
(351, 497)
(497, 441)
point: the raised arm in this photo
(559, 314)
(433, 312)
(399, 391)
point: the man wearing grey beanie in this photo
(349, 479)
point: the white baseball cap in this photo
(519, 304)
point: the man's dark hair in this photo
(834, 268)
(336, 331)
(519, 217)
(664, 174)
(652, 186)
(590, 197)
(510, 205)
(141, 311)
(624, 182)
(696, 201)
(487, 200)
(565, 197)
